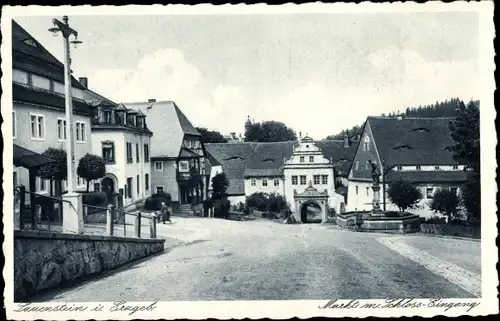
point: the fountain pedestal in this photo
(376, 210)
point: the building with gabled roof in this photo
(177, 152)
(411, 149)
(120, 136)
(38, 108)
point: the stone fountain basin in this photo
(404, 223)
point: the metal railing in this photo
(45, 213)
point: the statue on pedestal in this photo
(375, 172)
(376, 189)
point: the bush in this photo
(257, 200)
(221, 208)
(153, 203)
(276, 203)
(267, 202)
(445, 202)
(94, 198)
(435, 220)
(403, 194)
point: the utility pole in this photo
(72, 202)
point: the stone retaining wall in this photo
(409, 224)
(48, 260)
(451, 230)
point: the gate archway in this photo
(311, 205)
(109, 186)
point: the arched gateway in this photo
(311, 205)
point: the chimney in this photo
(84, 81)
(346, 141)
(151, 100)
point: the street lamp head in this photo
(54, 31)
(75, 42)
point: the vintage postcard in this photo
(249, 161)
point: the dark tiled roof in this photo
(428, 176)
(234, 158)
(240, 160)
(36, 59)
(412, 141)
(27, 94)
(28, 159)
(187, 153)
(186, 125)
(213, 161)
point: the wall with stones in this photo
(49, 260)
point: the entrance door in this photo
(310, 213)
(185, 196)
(108, 187)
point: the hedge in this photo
(153, 203)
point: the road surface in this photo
(214, 259)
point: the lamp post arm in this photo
(66, 30)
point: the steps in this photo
(185, 209)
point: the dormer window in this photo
(107, 116)
(30, 42)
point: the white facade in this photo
(38, 128)
(131, 172)
(265, 185)
(307, 165)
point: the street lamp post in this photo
(73, 200)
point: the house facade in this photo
(38, 113)
(178, 160)
(284, 168)
(121, 136)
(409, 149)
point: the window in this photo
(253, 182)
(146, 182)
(303, 180)
(367, 190)
(14, 179)
(41, 184)
(399, 168)
(324, 179)
(357, 190)
(146, 153)
(137, 155)
(51, 86)
(30, 79)
(357, 165)
(14, 125)
(80, 182)
(436, 167)
(367, 166)
(37, 126)
(429, 192)
(107, 116)
(276, 182)
(138, 185)
(311, 159)
(455, 167)
(419, 167)
(301, 159)
(295, 180)
(130, 158)
(264, 182)
(80, 131)
(108, 152)
(366, 143)
(183, 166)
(158, 166)
(61, 129)
(159, 189)
(129, 187)
(316, 179)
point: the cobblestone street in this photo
(212, 259)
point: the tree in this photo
(57, 171)
(195, 182)
(269, 131)
(446, 202)
(403, 194)
(466, 150)
(220, 184)
(210, 136)
(91, 167)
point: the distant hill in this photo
(447, 108)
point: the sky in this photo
(317, 73)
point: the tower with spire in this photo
(248, 125)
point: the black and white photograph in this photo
(249, 161)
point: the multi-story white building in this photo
(38, 113)
(177, 153)
(409, 149)
(121, 136)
